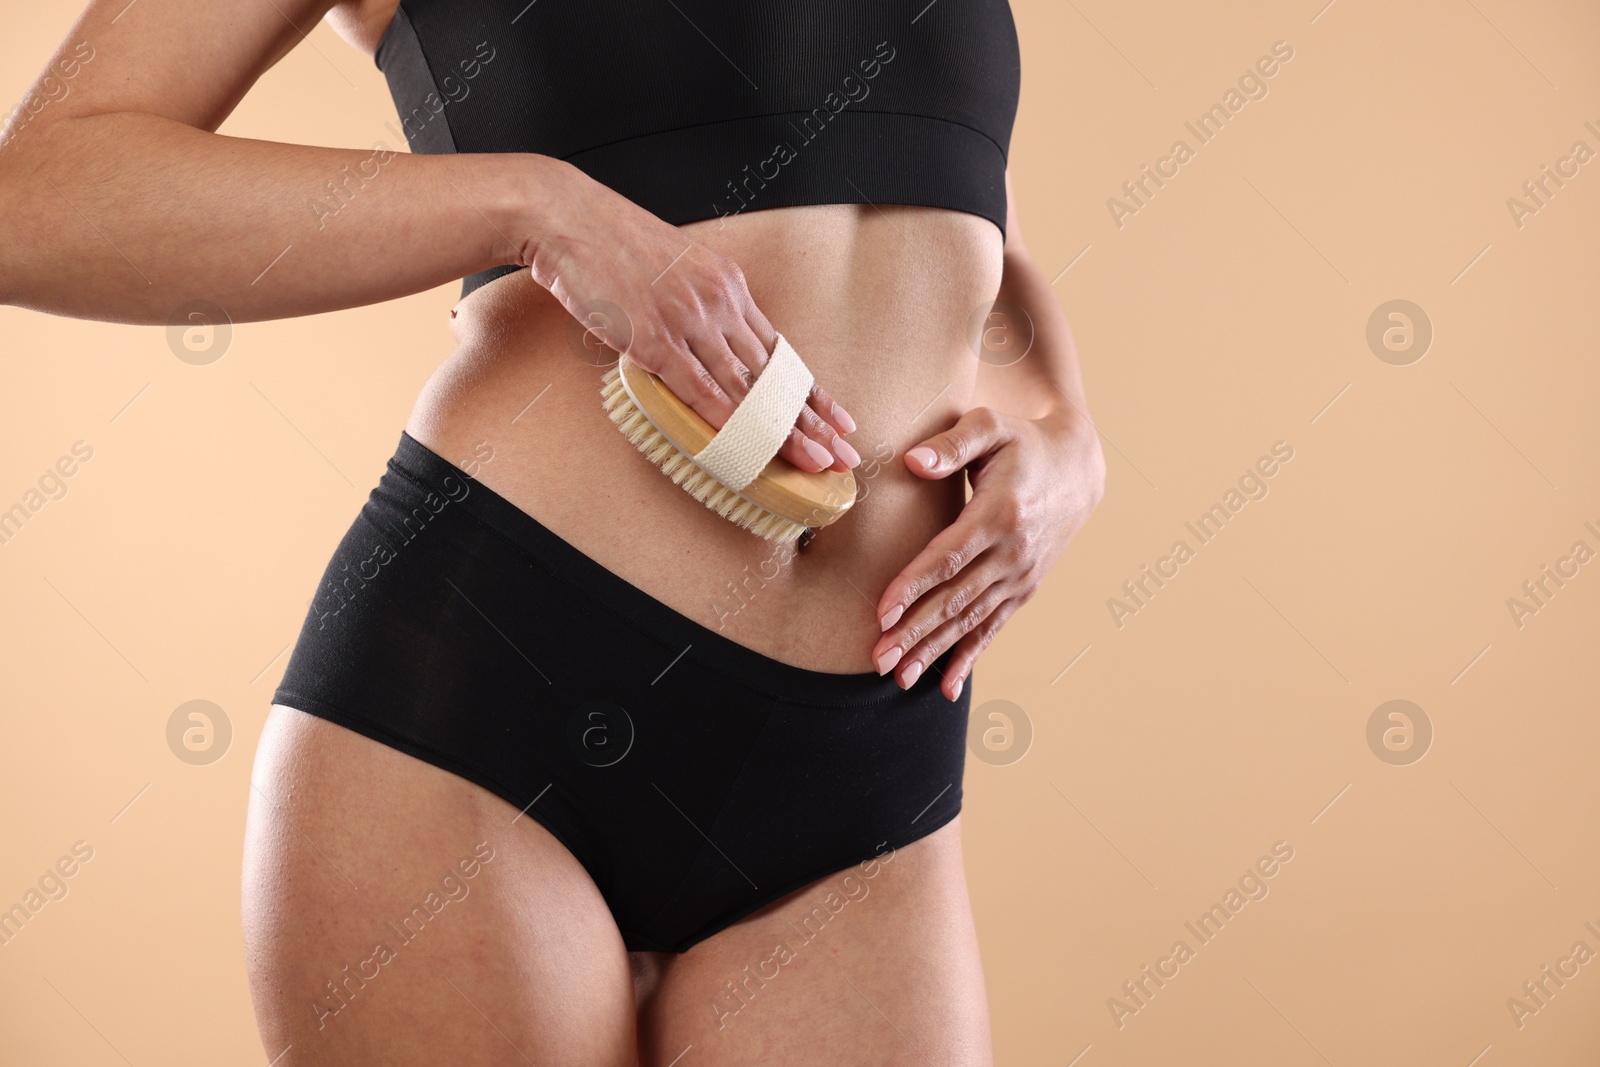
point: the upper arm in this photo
(191, 61)
(1013, 241)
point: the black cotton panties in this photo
(695, 779)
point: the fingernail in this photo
(818, 454)
(842, 417)
(959, 683)
(891, 616)
(887, 661)
(923, 457)
(911, 674)
(842, 449)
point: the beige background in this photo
(1228, 714)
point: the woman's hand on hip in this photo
(1034, 483)
(690, 318)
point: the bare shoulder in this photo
(362, 22)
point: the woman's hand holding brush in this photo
(691, 319)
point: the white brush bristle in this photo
(682, 470)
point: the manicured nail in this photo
(925, 458)
(959, 683)
(842, 417)
(891, 617)
(911, 674)
(819, 455)
(887, 661)
(842, 449)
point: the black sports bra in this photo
(695, 109)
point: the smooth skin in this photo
(118, 201)
(523, 963)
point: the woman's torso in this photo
(878, 300)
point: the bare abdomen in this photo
(876, 300)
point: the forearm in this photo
(1046, 381)
(126, 216)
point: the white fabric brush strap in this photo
(761, 423)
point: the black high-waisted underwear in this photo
(695, 779)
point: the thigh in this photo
(395, 913)
(875, 964)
